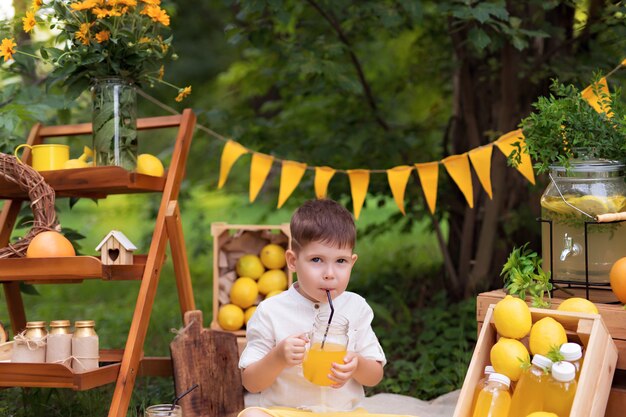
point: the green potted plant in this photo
(582, 148)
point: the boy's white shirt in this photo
(290, 313)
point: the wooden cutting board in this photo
(209, 358)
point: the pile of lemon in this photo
(513, 322)
(259, 277)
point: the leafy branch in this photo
(523, 276)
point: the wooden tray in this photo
(596, 375)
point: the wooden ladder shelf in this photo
(124, 365)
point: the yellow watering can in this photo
(46, 157)
(81, 161)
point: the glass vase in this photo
(114, 121)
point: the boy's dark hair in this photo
(324, 221)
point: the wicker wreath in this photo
(41, 197)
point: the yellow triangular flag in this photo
(429, 174)
(259, 169)
(505, 144)
(398, 178)
(624, 62)
(290, 177)
(481, 161)
(459, 169)
(232, 151)
(599, 103)
(359, 181)
(323, 176)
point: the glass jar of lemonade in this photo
(574, 196)
(328, 343)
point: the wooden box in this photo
(230, 242)
(600, 358)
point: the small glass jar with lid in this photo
(85, 346)
(59, 349)
(30, 345)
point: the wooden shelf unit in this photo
(119, 366)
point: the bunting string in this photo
(457, 166)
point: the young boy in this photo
(323, 236)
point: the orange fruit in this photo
(618, 279)
(50, 244)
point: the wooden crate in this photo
(596, 375)
(245, 239)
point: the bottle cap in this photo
(503, 379)
(60, 323)
(571, 351)
(563, 371)
(489, 370)
(542, 362)
(35, 324)
(84, 323)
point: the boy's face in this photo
(321, 267)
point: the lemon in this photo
(273, 256)
(579, 305)
(556, 205)
(244, 292)
(75, 163)
(511, 317)
(591, 204)
(149, 165)
(507, 357)
(249, 312)
(545, 334)
(230, 317)
(250, 266)
(272, 280)
(542, 414)
(272, 293)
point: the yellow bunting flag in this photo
(323, 176)
(505, 144)
(459, 169)
(290, 177)
(599, 103)
(359, 181)
(232, 152)
(398, 178)
(624, 63)
(481, 161)
(429, 174)
(259, 169)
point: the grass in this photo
(393, 268)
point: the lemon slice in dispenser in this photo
(592, 204)
(556, 205)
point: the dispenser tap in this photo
(571, 248)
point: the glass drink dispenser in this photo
(589, 188)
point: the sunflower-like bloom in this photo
(29, 22)
(182, 93)
(103, 36)
(83, 33)
(129, 3)
(85, 5)
(36, 4)
(157, 14)
(7, 48)
(152, 2)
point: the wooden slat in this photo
(51, 375)
(85, 128)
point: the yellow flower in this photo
(83, 33)
(7, 48)
(36, 4)
(157, 14)
(182, 93)
(152, 2)
(129, 3)
(85, 5)
(100, 12)
(145, 39)
(102, 36)
(29, 21)
(161, 72)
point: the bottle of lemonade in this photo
(560, 390)
(529, 392)
(494, 399)
(573, 353)
(482, 383)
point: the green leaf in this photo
(479, 38)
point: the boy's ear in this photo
(354, 258)
(290, 257)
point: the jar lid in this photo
(503, 379)
(571, 351)
(84, 323)
(489, 370)
(35, 324)
(563, 371)
(541, 361)
(585, 167)
(60, 323)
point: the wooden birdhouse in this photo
(116, 249)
